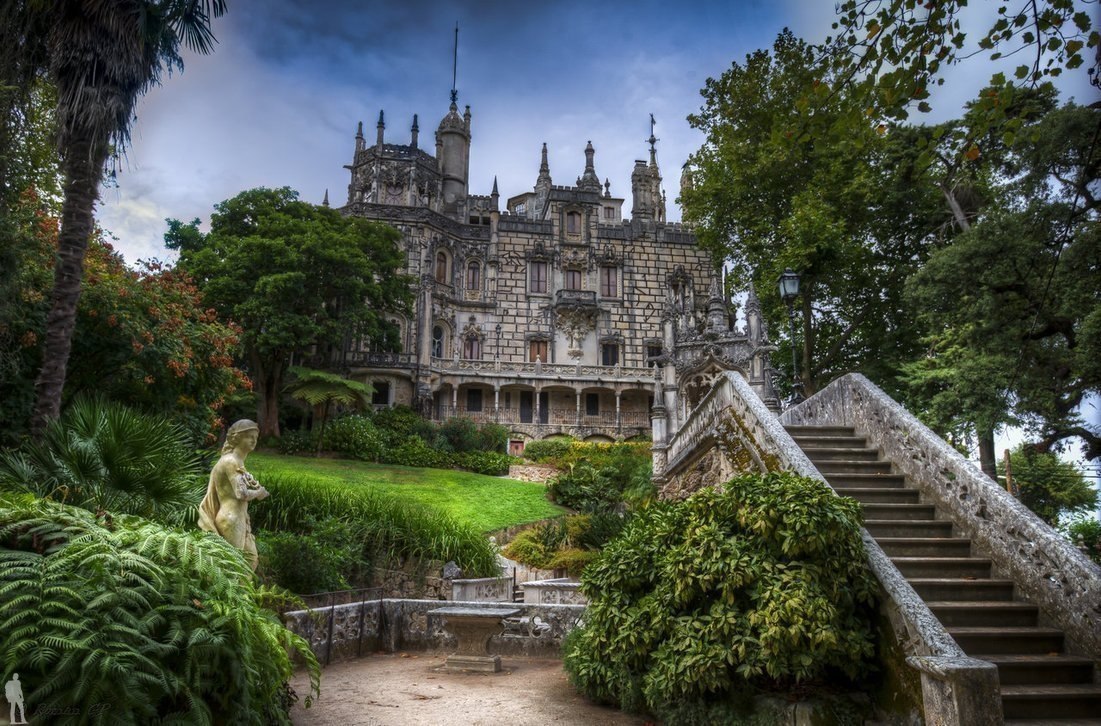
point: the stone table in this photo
(473, 627)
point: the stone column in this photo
(454, 399)
(618, 394)
(579, 409)
(496, 403)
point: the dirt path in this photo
(413, 690)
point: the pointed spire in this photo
(455, 70)
(359, 130)
(607, 189)
(544, 167)
(415, 130)
(495, 193)
(325, 201)
(589, 181)
(359, 140)
(381, 126)
(752, 304)
(653, 143)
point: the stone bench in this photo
(473, 627)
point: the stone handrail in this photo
(956, 688)
(1045, 567)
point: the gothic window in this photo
(537, 349)
(609, 286)
(472, 348)
(573, 222)
(573, 279)
(473, 276)
(538, 275)
(609, 354)
(441, 267)
(437, 341)
(473, 400)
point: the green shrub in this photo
(483, 462)
(101, 455)
(400, 422)
(162, 625)
(297, 443)
(528, 548)
(355, 436)
(547, 449)
(1086, 533)
(573, 560)
(329, 556)
(762, 584)
(385, 527)
(415, 452)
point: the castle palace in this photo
(555, 314)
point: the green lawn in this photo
(489, 503)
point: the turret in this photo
(453, 145)
(415, 132)
(642, 206)
(381, 128)
(542, 185)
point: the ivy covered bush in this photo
(547, 449)
(162, 625)
(701, 602)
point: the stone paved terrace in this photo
(412, 689)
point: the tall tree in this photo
(101, 56)
(1012, 307)
(785, 179)
(301, 280)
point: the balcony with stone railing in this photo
(575, 300)
(544, 371)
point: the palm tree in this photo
(320, 388)
(102, 55)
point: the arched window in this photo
(441, 267)
(437, 341)
(473, 276)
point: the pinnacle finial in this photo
(359, 130)
(544, 167)
(381, 119)
(325, 201)
(495, 193)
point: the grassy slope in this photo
(489, 503)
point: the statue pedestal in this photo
(473, 627)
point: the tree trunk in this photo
(810, 385)
(987, 456)
(269, 385)
(82, 166)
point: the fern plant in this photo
(103, 456)
(125, 621)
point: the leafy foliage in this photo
(1086, 533)
(762, 583)
(163, 625)
(327, 556)
(297, 278)
(385, 527)
(1049, 486)
(547, 449)
(567, 544)
(105, 457)
(601, 478)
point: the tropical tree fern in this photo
(320, 389)
(103, 456)
(125, 621)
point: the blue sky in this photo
(278, 102)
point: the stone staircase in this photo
(1040, 682)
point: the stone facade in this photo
(554, 314)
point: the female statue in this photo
(224, 509)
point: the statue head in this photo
(236, 432)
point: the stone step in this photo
(880, 495)
(841, 454)
(1015, 670)
(925, 546)
(933, 528)
(984, 614)
(947, 589)
(878, 480)
(1052, 701)
(895, 512)
(978, 642)
(815, 441)
(794, 431)
(948, 567)
(831, 467)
